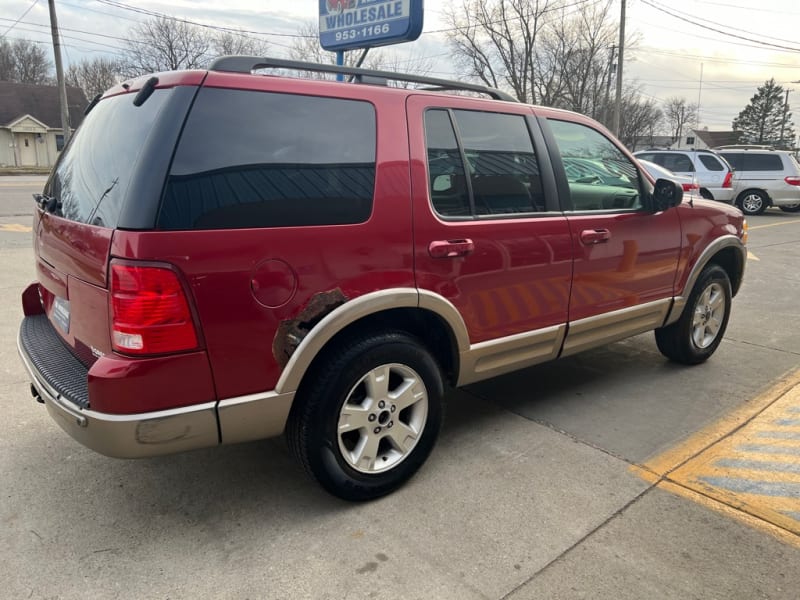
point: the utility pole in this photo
(62, 88)
(607, 113)
(785, 112)
(618, 103)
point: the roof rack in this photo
(745, 147)
(247, 64)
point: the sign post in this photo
(348, 24)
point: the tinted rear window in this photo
(710, 162)
(262, 159)
(92, 175)
(677, 163)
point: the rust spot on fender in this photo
(291, 332)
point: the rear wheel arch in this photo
(430, 318)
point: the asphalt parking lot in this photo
(610, 474)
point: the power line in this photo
(720, 31)
(22, 16)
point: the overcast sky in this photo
(666, 56)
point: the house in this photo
(702, 139)
(30, 123)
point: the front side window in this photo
(501, 171)
(599, 175)
(261, 159)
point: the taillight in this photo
(149, 311)
(792, 180)
(688, 187)
(728, 180)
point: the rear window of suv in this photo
(710, 162)
(262, 159)
(92, 175)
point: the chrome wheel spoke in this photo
(366, 452)
(377, 382)
(352, 417)
(403, 437)
(408, 393)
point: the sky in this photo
(712, 52)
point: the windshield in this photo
(92, 175)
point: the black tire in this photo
(752, 202)
(705, 194)
(342, 379)
(792, 208)
(679, 341)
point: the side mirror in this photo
(666, 194)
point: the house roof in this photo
(718, 138)
(40, 102)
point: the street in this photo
(609, 474)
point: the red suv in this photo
(223, 256)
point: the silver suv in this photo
(764, 178)
(712, 173)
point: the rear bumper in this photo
(721, 194)
(122, 436)
(59, 380)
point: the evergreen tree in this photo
(766, 120)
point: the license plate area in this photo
(60, 314)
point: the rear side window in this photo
(93, 173)
(710, 162)
(677, 163)
(502, 171)
(259, 159)
(762, 162)
(735, 160)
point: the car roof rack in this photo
(247, 64)
(745, 147)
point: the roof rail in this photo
(247, 64)
(745, 147)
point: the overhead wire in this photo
(22, 16)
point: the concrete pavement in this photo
(560, 481)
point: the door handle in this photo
(595, 236)
(450, 248)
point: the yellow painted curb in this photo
(721, 467)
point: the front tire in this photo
(752, 202)
(369, 416)
(695, 336)
(790, 208)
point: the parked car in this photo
(764, 178)
(655, 171)
(711, 172)
(224, 256)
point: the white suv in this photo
(764, 178)
(712, 173)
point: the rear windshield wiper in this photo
(47, 203)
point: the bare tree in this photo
(640, 117)
(494, 41)
(24, 62)
(94, 76)
(228, 43)
(306, 47)
(545, 52)
(679, 113)
(576, 46)
(161, 44)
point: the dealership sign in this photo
(348, 24)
